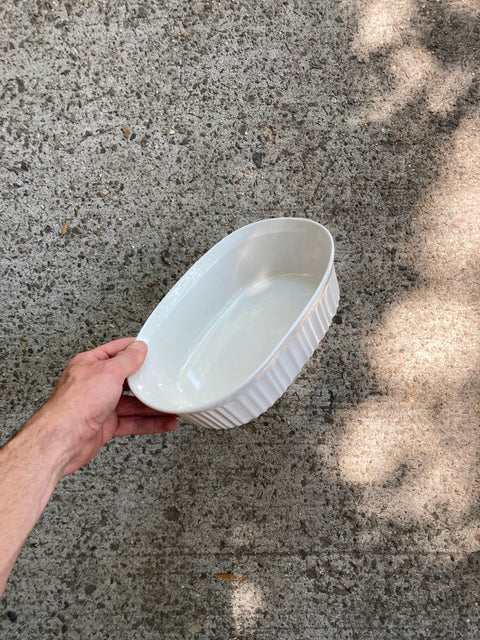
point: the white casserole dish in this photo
(233, 333)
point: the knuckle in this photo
(75, 368)
(77, 360)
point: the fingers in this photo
(130, 406)
(126, 362)
(110, 349)
(143, 425)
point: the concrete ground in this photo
(134, 135)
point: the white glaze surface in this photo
(229, 317)
(239, 339)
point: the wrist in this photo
(31, 464)
(45, 438)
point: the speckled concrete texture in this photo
(133, 136)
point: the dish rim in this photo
(223, 400)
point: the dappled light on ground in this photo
(414, 448)
(382, 24)
(415, 70)
(470, 8)
(247, 601)
(410, 463)
(418, 73)
(452, 205)
(420, 350)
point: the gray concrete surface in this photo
(352, 506)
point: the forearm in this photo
(31, 464)
(85, 410)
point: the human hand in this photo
(85, 409)
(88, 407)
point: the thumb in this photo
(130, 360)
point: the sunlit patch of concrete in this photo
(382, 24)
(247, 601)
(414, 449)
(446, 240)
(427, 344)
(415, 72)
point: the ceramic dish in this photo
(236, 329)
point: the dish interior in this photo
(226, 316)
(239, 339)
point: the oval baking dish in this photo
(233, 333)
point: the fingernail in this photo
(138, 344)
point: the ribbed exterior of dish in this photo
(272, 381)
